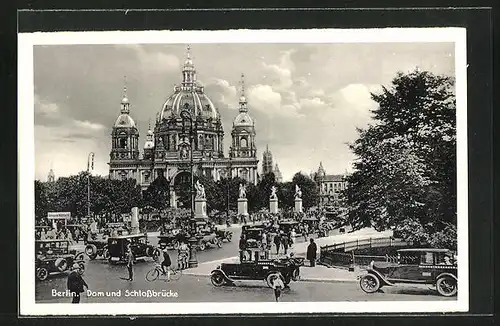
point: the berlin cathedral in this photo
(166, 151)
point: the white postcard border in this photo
(26, 175)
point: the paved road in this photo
(106, 278)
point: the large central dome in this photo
(194, 98)
(189, 95)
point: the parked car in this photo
(287, 269)
(418, 266)
(172, 238)
(224, 234)
(207, 236)
(97, 247)
(288, 226)
(117, 247)
(55, 256)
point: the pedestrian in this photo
(264, 244)
(243, 247)
(277, 243)
(277, 285)
(311, 253)
(76, 283)
(285, 242)
(77, 235)
(182, 258)
(166, 263)
(130, 263)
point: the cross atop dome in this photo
(188, 72)
(125, 103)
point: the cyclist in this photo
(165, 264)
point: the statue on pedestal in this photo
(298, 192)
(200, 190)
(273, 193)
(243, 191)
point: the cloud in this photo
(155, 61)
(87, 125)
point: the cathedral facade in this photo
(167, 149)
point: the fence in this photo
(343, 254)
(365, 243)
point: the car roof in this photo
(53, 240)
(141, 235)
(423, 250)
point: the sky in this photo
(306, 99)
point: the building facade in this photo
(330, 186)
(277, 173)
(267, 161)
(166, 150)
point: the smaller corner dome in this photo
(243, 120)
(125, 121)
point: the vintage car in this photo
(288, 226)
(224, 234)
(97, 247)
(172, 238)
(117, 248)
(253, 235)
(206, 235)
(418, 266)
(287, 268)
(55, 256)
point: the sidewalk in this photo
(318, 273)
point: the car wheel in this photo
(219, 243)
(61, 264)
(80, 256)
(229, 237)
(446, 286)
(105, 253)
(369, 283)
(217, 279)
(82, 268)
(176, 244)
(271, 276)
(91, 251)
(296, 274)
(202, 246)
(42, 273)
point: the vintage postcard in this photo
(243, 172)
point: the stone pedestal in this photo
(134, 224)
(298, 205)
(273, 205)
(242, 206)
(200, 207)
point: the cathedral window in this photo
(243, 142)
(123, 143)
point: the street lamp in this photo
(229, 177)
(193, 241)
(90, 167)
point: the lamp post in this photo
(229, 177)
(90, 167)
(193, 241)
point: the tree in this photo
(157, 195)
(405, 172)
(41, 207)
(309, 188)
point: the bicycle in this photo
(157, 271)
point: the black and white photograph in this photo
(243, 171)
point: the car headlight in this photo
(371, 263)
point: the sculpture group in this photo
(242, 199)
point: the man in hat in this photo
(76, 283)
